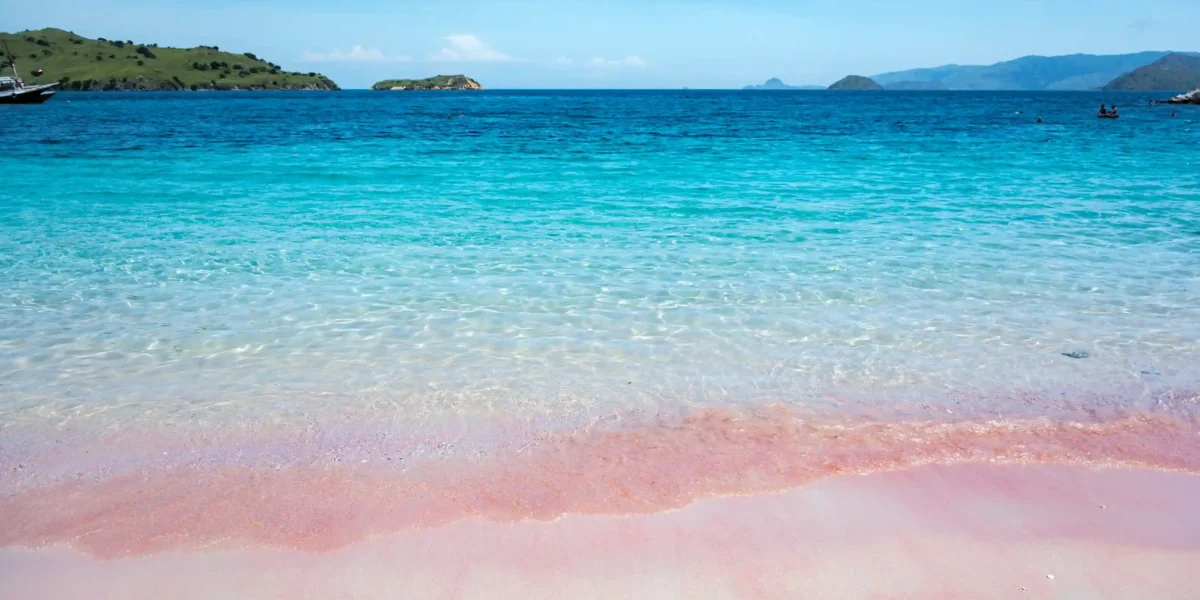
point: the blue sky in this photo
(624, 43)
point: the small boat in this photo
(1108, 115)
(14, 91)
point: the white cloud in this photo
(562, 60)
(632, 62)
(468, 48)
(356, 54)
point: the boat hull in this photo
(27, 97)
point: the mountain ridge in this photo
(1027, 73)
(1172, 73)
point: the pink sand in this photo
(323, 506)
(968, 531)
(715, 504)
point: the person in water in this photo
(1103, 110)
(1113, 112)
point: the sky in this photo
(625, 43)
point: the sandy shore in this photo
(974, 531)
(712, 504)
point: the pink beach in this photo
(546, 300)
(717, 504)
(930, 532)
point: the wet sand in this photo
(978, 531)
(716, 503)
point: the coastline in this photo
(323, 492)
(983, 531)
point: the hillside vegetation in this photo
(82, 64)
(440, 82)
(1171, 73)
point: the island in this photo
(81, 64)
(1171, 73)
(775, 83)
(440, 82)
(856, 83)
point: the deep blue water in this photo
(542, 251)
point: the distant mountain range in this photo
(1171, 73)
(1032, 73)
(774, 83)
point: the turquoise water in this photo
(195, 256)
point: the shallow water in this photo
(211, 258)
(631, 343)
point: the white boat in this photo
(14, 91)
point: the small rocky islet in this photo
(1192, 97)
(439, 83)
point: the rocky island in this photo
(1192, 97)
(441, 82)
(81, 64)
(856, 82)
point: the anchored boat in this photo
(14, 91)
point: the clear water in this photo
(190, 256)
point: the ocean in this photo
(318, 280)
(193, 255)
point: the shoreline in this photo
(970, 530)
(325, 492)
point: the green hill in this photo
(441, 82)
(1171, 73)
(856, 82)
(1069, 72)
(82, 64)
